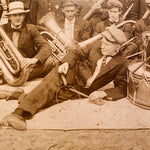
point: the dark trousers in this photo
(41, 70)
(45, 92)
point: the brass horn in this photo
(58, 41)
(50, 23)
(10, 60)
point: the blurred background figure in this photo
(132, 6)
(142, 27)
(1, 9)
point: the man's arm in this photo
(120, 85)
(42, 46)
(77, 55)
(138, 33)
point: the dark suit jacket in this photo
(115, 70)
(31, 43)
(82, 28)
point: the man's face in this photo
(17, 19)
(114, 14)
(108, 48)
(69, 12)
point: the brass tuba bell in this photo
(10, 60)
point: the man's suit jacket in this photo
(115, 70)
(82, 29)
(31, 43)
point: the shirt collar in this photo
(72, 21)
(15, 27)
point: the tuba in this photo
(10, 60)
(57, 39)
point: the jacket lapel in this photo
(109, 66)
(8, 30)
(61, 23)
(22, 38)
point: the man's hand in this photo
(97, 96)
(63, 69)
(28, 61)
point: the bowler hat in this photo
(65, 3)
(115, 3)
(16, 7)
(114, 35)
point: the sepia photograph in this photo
(74, 74)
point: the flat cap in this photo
(114, 3)
(114, 35)
(65, 3)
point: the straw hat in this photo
(16, 7)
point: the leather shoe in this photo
(15, 121)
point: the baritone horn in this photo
(10, 60)
(58, 41)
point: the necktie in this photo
(15, 38)
(104, 61)
(100, 64)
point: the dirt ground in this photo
(74, 140)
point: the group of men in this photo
(85, 69)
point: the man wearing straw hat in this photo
(28, 41)
(93, 71)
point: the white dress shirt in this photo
(15, 36)
(69, 28)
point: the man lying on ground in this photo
(86, 70)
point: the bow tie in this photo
(16, 30)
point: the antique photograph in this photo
(74, 74)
